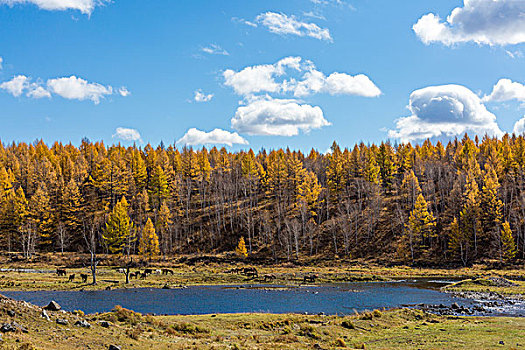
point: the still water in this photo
(342, 298)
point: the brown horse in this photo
(84, 277)
(71, 277)
(310, 278)
(61, 272)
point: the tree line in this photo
(426, 203)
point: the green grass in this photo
(486, 285)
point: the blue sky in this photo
(77, 63)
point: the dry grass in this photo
(396, 329)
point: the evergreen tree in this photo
(149, 242)
(163, 225)
(491, 209)
(508, 246)
(420, 228)
(119, 228)
(41, 217)
(241, 248)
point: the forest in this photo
(422, 204)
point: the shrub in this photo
(340, 343)
(377, 313)
(127, 316)
(347, 324)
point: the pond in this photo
(342, 298)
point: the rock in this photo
(19, 327)
(7, 327)
(45, 315)
(166, 286)
(53, 306)
(83, 323)
(455, 306)
(12, 327)
(11, 313)
(62, 321)
(501, 342)
(104, 324)
(114, 347)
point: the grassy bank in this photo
(395, 329)
(214, 270)
(483, 285)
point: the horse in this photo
(250, 272)
(84, 277)
(61, 272)
(269, 277)
(310, 278)
(167, 272)
(71, 277)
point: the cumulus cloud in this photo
(37, 91)
(214, 49)
(263, 78)
(490, 22)
(215, 137)
(519, 127)
(202, 97)
(124, 92)
(127, 134)
(281, 24)
(259, 78)
(506, 90)
(283, 117)
(16, 86)
(84, 6)
(445, 110)
(74, 88)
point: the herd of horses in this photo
(249, 272)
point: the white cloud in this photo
(215, 137)
(202, 97)
(37, 91)
(21, 84)
(491, 22)
(263, 78)
(127, 134)
(71, 88)
(16, 86)
(74, 88)
(84, 6)
(260, 78)
(267, 116)
(445, 110)
(124, 92)
(281, 24)
(519, 127)
(214, 49)
(506, 90)
(1, 61)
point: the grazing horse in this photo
(310, 278)
(61, 272)
(167, 272)
(250, 272)
(148, 271)
(84, 277)
(71, 277)
(143, 275)
(269, 277)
